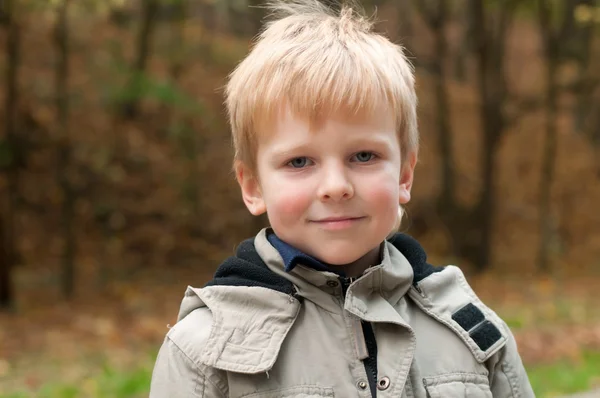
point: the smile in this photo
(337, 223)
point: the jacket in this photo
(258, 331)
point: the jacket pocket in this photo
(295, 392)
(458, 385)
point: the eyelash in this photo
(289, 163)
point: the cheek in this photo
(383, 192)
(385, 197)
(287, 200)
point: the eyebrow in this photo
(370, 140)
(289, 150)
(285, 151)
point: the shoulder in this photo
(234, 328)
(178, 371)
(446, 296)
(191, 333)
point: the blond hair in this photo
(318, 61)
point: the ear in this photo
(250, 186)
(406, 177)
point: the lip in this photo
(334, 219)
(337, 223)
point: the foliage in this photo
(566, 377)
(150, 88)
(548, 380)
(586, 14)
(110, 383)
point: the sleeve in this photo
(175, 375)
(509, 378)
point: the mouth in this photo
(337, 223)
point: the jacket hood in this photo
(247, 268)
(253, 303)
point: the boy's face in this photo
(331, 190)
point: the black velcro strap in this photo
(485, 335)
(468, 316)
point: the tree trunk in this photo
(8, 252)
(548, 167)
(149, 10)
(585, 108)
(64, 149)
(13, 57)
(443, 108)
(560, 42)
(465, 48)
(490, 46)
(6, 290)
(405, 30)
(462, 222)
(436, 18)
(177, 57)
(579, 47)
(486, 207)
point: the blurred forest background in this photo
(116, 189)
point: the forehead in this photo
(286, 123)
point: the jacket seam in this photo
(408, 388)
(448, 374)
(406, 364)
(511, 377)
(199, 384)
(198, 369)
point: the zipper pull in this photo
(345, 284)
(418, 289)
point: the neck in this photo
(356, 268)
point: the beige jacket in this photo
(238, 341)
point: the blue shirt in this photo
(292, 256)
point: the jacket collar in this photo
(388, 281)
(254, 302)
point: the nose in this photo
(335, 184)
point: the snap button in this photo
(332, 283)
(362, 385)
(383, 383)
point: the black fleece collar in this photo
(247, 268)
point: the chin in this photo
(340, 260)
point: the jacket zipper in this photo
(419, 290)
(370, 363)
(345, 284)
(426, 389)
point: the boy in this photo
(328, 301)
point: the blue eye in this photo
(298, 163)
(364, 156)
